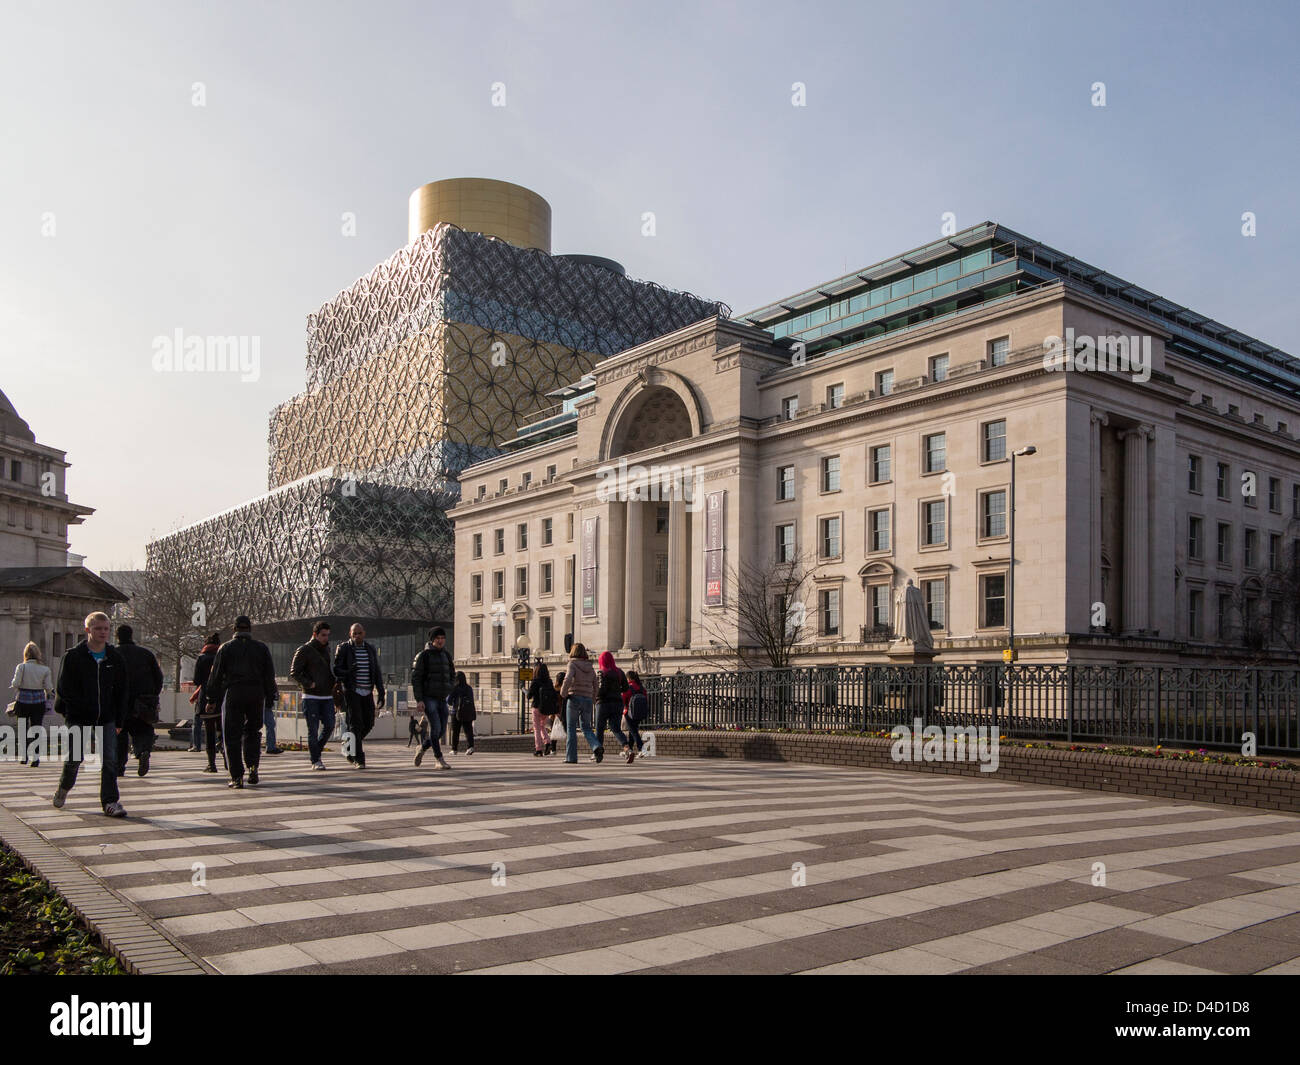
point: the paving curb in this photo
(139, 944)
(1202, 782)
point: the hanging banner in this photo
(589, 567)
(713, 549)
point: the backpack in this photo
(638, 707)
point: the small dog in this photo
(418, 728)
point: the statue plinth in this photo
(903, 652)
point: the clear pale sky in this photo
(226, 219)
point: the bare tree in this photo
(1265, 609)
(765, 614)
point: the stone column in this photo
(1098, 421)
(614, 576)
(634, 586)
(1137, 595)
(679, 570)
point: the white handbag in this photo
(557, 731)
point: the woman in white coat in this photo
(35, 684)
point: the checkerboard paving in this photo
(510, 863)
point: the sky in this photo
(170, 166)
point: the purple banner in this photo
(589, 567)
(713, 548)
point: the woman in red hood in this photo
(609, 700)
(201, 670)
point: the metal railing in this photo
(1140, 705)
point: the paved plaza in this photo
(508, 863)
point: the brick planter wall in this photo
(1265, 789)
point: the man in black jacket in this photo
(311, 669)
(144, 681)
(356, 665)
(432, 676)
(243, 674)
(92, 692)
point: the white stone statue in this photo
(912, 625)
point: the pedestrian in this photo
(609, 694)
(144, 681)
(356, 664)
(242, 685)
(204, 721)
(461, 703)
(579, 688)
(35, 684)
(543, 698)
(312, 670)
(433, 675)
(91, 693)
(638, 709)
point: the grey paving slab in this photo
(510, 864)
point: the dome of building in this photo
(10, 422)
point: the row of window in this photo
(992, 604)
(937, 370)
(546, 579)
(25, 517)
(1249, 486)
(934, 459)
(1250, 615)
(525, 479)
(1223, 545)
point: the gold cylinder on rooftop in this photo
(480, 205)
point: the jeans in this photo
(361, 719)
(196, 732)
(268, 721)
(456, 725)
(634, 735)
(610, 712)
(435, 712)
(319, 712)
(579, 712)
(107, 772)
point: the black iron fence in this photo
(1193, 706)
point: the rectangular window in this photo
(939, 368)
(498, 541)
(789, 408)
(995, 441)
(1194, 473)
(936, 602)
(1275, 495)
(569, 527)
(550, 473)
(784, 543)
(547, 626)
(521, 628)
(784, 483)
(476, 638)
(1224, 546)
(1249, 487)
(548, 578)
(482, 491)
(1222, 615)
(993, 514)
(993, 600)
(831, 473)
(880, 464)
(1195, 612)
(829, 609)
(661, 521)
(880, 619)
(478, 545)
(1250, 548)
(829, 537)
(476, 588)
(999, 351)
(498, 641)
(1295, 501)
(498, 585)
(878, 530)
(503, 484)
(661, 570)
(661, 627)
(1194, 545)
(1221, 475)
(15, 470)
(548, 532)
(834, 397)
(884, 382)
(934, 451)
(527, 479)
(1274, 551)
(934, 522)
(522, 536)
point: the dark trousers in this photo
(609, 712)
(135, 731)
(107, 773)
(319, 713)
(211, 725)
(26, 722)
(456, 725)
(361, 719)
(241, 727)
(634, 735)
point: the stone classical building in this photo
(45, 594)
(870, 424)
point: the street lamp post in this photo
(1011, 569)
